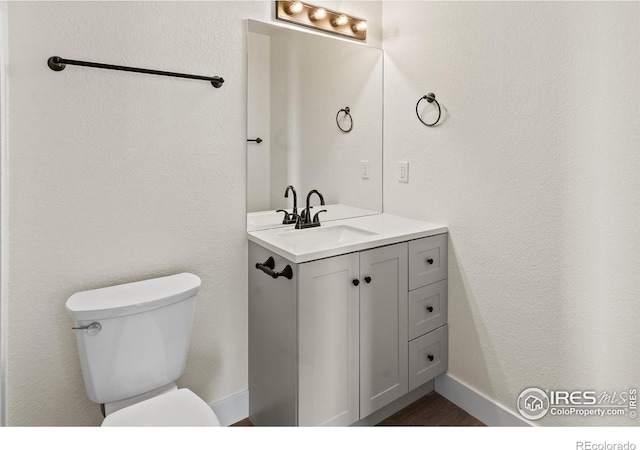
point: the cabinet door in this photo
(328, 342)
(383, 327)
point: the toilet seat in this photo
(177, 408)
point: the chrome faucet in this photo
(293, 217)
(304, 219)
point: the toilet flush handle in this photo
(92, 329)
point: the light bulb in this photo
(340, 20)
(294, 8)
(360, 26)
(318, 14)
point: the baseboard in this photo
(232, 409)
(236, 407)
(477, 404)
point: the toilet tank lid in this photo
(131, 298)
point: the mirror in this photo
(297, 83)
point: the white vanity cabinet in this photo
(346, 335)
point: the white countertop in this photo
(263, 220)
(338, 237)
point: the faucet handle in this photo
(316, 219)
(306, 214)
(288, 218)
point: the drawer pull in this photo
(367, 280)
(429, 261)
(356, 282)
(430, 308)
(430, 357)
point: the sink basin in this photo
(323, 236)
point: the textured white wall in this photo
(115, 177)
(536, 170)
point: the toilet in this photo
(133, 341)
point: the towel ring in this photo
(430, 97)
(346, 111)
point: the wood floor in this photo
(432, 410)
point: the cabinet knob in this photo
(429, 261)
(356, 282)
(430, 357)
(430, 308)
(367, 280)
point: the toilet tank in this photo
(134, 337)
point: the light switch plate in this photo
(364, 169)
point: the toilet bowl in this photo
(133, 341)
(178, 408)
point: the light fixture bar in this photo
(323, 19)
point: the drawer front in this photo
(428, 356)
(427, 309)
(427, 260)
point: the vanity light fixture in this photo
(321, 19)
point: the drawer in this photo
(428, 356)
(427, 308)
(427, 260)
